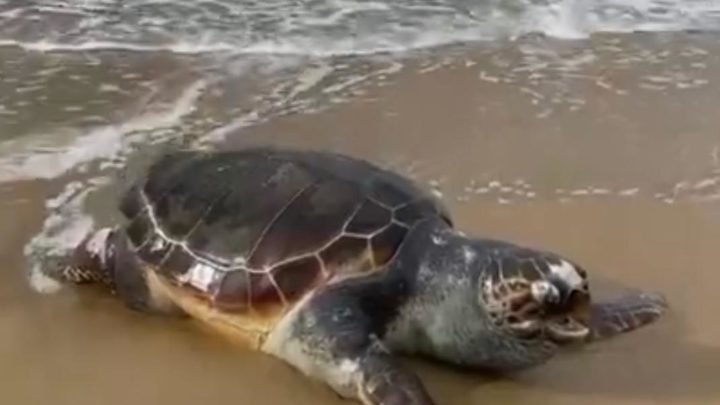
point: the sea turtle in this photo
(335, 265)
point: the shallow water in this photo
(604, 148)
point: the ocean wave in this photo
(337, 27)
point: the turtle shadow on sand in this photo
(658, 363)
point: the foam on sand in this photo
(38, 159)
(64, 227)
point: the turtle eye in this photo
(545, 292)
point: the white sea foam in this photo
(340, 27)
(64, 227)
(221, 133)
(179, 48)
(290, 93)
(567, 19)
(38, 159)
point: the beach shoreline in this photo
(603, 168)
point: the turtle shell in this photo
(244, 229)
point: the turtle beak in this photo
(566, 330)
(567, 311)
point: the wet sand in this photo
(625, 185)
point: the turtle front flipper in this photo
(335, 337)
(625, 314)
(384, 382)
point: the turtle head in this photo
(550, 302)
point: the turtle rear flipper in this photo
(105, 257)
(90, 262)
(625, 314)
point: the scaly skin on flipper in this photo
(338, 336)
(385, 382)
(104, 257)
(625, 314)
(90, 262)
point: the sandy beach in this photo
(620, 173)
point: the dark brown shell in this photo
(260, 226)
